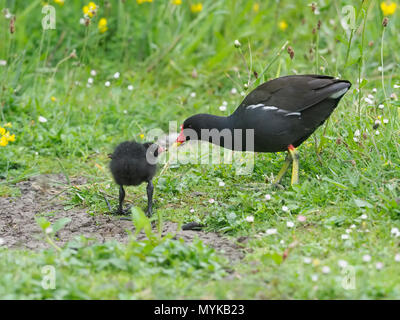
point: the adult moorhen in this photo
(133, 163)
(283, 113)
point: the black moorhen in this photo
(131, 164)
(283, 113)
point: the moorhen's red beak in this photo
(181, 138)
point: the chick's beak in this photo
(181, 138)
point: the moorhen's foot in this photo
(149, 213)
(192, 226)
(120, 212)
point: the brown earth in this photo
(18, 228)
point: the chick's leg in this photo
(121, 199)
(150, 189)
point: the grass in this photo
(349, 184)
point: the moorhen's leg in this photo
(282, 172)
(150, 189)
(295, 166)
(121, 199)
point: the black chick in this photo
(131, 164)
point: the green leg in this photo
(282, 172)
(295, 166)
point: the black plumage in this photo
(283, 112)
(131, 164)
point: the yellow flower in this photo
(256, 7)
(8, 125)
(2, 131)
(10, 138)
(54, 99)
(3, 141)
(143, 1)
(103, 25)
(283, 25)
(141, 136)
(177, 2)
(59, 2)
(195, 8)
(388, 8)
(90, 10)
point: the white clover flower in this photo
(370, 96)
(42, 119)
(301, 218)
(348, 231)
(374, 90)
(285, 209)
(314, 277)
(3, 63)
(125, 111)
(353, 226)
(377, 132)
(116, 75)
(355, 139)
(282, 242)
(290, 224)
(267, 197)
(211, 201)
(222, 108)
(396, 86)
(397, 257)
(191, 210)
(250, 219)
(221, 184)
(90, 80)
(224, 103)
(379, 265)
(366, 258)
(369, 101)
(234, 91)
(130, 87)
(193, 94)
(377, 121)
(385, 121)
(395, 232)
(357, 133)
(242, 93)
(307, 260)
(271, 231)
(326, 269)
(380, 69)
(107, 84)
(237, 44)
(49, 230)
(2, 241)
(364, 216)
(82, 21)
(381, 106)
(93, 73)
(345, 237)
(342, 263)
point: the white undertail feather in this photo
(339, 93)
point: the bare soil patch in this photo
(18, 227)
